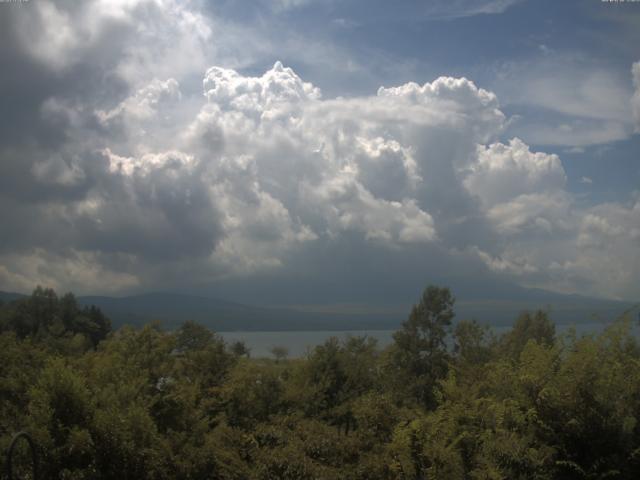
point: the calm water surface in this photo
(298, 343)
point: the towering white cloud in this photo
(518, 189)
(132, 180)
(278, 88)
(503, 172)
(267, 169)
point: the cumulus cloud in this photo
(267, 169)
(58, 171)
(386, 168)
(315, 157)
(148, 163)
(503, 172)
(64, 34)
(457, 97)
(76, 270)
(635, 101)
(129, 180)
(573, 249)
(157, 206)
(274, 94)
(267, 166)
(144, 103)
(608, 242)
(508, 262)
(346, 205)
(538, 211)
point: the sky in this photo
(320, 151)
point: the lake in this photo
(297, 342)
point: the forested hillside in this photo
(145, 403)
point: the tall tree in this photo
(419, 352)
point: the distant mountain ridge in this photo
(10, 296)
(172, 309)
(221, 315)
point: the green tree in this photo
(193, 336)
(240, 349)
(56, 321)
(60, 416)
(529, 326)
(251, 394)
(473, 343)
(279, 352)
(419, 353)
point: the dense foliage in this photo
(451, 401)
